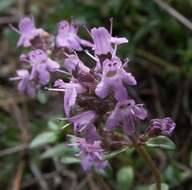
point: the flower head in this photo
(71, 89)
(113, 78)
(103, 41)
(125, 113)
(41, 66)
(67, 36)
(91, 154)
(163, 126)
(28, 32)
(25, 84)
(72, 62)
(83, 123)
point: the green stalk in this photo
(149, 162)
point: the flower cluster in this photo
(96, 99)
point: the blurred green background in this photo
(160, 53)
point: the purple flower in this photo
(60, 84)
(114, 78)
(72, 62)
(81, 120)
(91, 154)
(71, 89)
(25, 84)
(163, 126)
(83, 123)
(28, 32)
(41, 66)
(103, 41)
(67, 36)
(125, 113)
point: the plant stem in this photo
(148, 160)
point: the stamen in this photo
(126, 61)
(65, 126)
(55, 89)
(111, 26)
(82, 128)
(64, 72)
(32, 18)
(87, 30)
(67, 54)
(75, 53)
(14, 78)
(114, 51)
(62, 119)
(90, 55)
(14, 29)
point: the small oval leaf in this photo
(70, 160)
(125, 178)
(58, 151)
(164, 186)
(43, 138)
(114, 153)
(161, 142)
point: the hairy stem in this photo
(148, 160)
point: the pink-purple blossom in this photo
(28, 32)
(84, 123)
(125, 113)
(114, 78)
(96, 98)
(91, 154)
(42, 65)
(71, 90)
(72, 63)
(159, 126)
(104, 42)
(67, 36)
(25, 84)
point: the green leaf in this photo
(161, 142)
(58, 151)
(107, 172)
(43, 138)
(70, 160)
(41, 96)
(125, 178)
(163, 187)
(53, 125)
(115, 153)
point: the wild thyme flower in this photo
(42, 65)
(114, 78)
(71, 89)
(126, 112)
(25, 84)
(83, 123)
(91, 154)
(67, 36)
(103, 41)
(159, 126)
(87, 103)
(81, 120)
(28, 32)
(72, 63)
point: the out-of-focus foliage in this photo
(160, 50)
